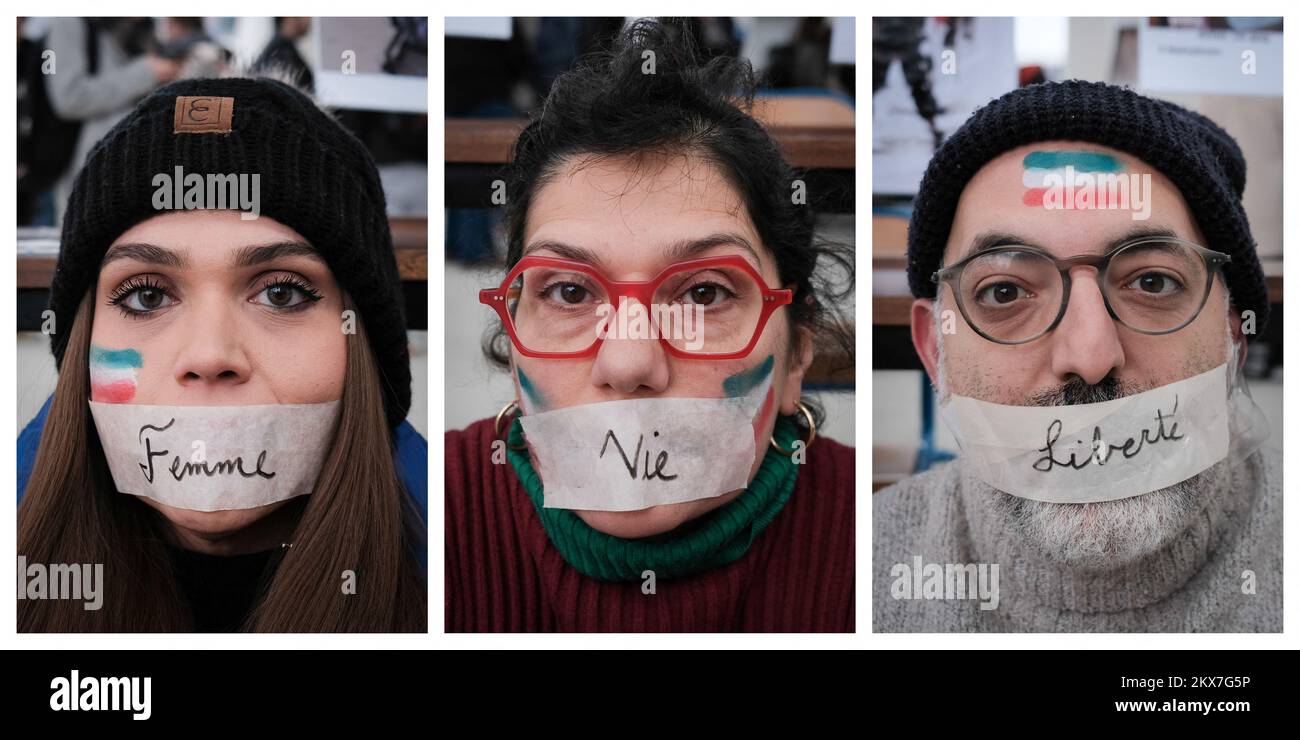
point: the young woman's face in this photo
(221, 311)
(631, 220)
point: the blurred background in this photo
(499, 69)
(77, 77)
(928, 76)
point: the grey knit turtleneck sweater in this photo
(1194, 584)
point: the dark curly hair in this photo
(606, 107)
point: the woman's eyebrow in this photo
(567, 251)
(257, 254)
(689, 248)
(148, 253)
(678, 251)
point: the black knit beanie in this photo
(315, 178)
(1200, 158)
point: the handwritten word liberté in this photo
(1129, 449)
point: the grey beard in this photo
(1110, 534)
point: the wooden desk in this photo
(812, 132)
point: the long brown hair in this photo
(358, 518)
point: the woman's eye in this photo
(1155, 283)
(147, 299)
(1001, 293)
(570, 293)
(136, 299)
(706, 294)
(286, 295)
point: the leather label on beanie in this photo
(203, 114)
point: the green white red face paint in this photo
(530, 398)
(113, 374)
(1084, 180)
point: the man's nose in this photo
(1086, 342)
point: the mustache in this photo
(1077, 391)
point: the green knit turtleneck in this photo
(719, 537)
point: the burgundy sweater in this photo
(504, 575)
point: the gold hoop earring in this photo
(496, 426)
(812, 432)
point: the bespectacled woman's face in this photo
(213, 310)
(631, 219)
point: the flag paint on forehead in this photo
(1039, 166)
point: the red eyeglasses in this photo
(712, 308)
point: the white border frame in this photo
(864, 639)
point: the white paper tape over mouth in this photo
(1097, 451)
(634, 454)
(215, 458)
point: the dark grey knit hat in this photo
(1200, 158)
(315, 178)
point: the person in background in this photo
(282, 54)
(185, 40)
(99, 93)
